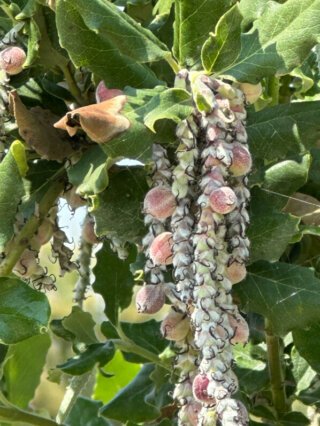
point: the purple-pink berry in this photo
(12, 60)
(103, 94)
(223, 200)
(159, 202)
(240, 327)
(150, 299)
(236, 272)
(200, 389)
(161, 249)
(241, 162)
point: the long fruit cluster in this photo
(205, 194)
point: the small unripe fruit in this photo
(236, 272)
(150, 299)
(223, 200)
(161, 249)
(159, 202)
(193, 410)
(240, 327)
(251, 91)
(200, 386)
(103, 94)
(12, 60)
(241, 162)
(44, 232)
(28, 265)
(88, 232)
(74, 200)
(175, 326)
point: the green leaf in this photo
(283, 130)
(302, 372)
(313, 185)
(113, 280)
(85, 413)
(121, 31)
(270, 233)
(129, 403)
(123, 371)
(252, 373)
(12, 169)
(23, 367)
(310, 397)
(286, 177)
(194, 19)
(109, 330)
(90, 173)
(251, 10)
(81, 325)
(115, 69)
(24, 312)
(100, 353)
(306, 340)
(223, 46)
(173, 104)
(279, 40)
(58, 329)
(136, 143)
(295, 418)
(288, 295)
(119, 209)
(146, 335)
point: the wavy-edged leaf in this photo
(302, 372)
(119, 207)
(251, 10)
(13, 169)
(130, 403)
(24, 312)
(85, 413)
(99, 55)
(288, 295)
(283, 130)
(113, 280)
(90, 173)
(81, 325)
(173, 104)
(279, 41)
(23, 368)
(100, 353)
(222, 48)
(194, 19)
(306, 340)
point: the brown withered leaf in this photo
(36, 128)
(304, 206)
(101, 122)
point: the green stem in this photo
(22, 239)
(128, 346)
(173, 64)
(6, 10)
(276, 371)
(273, 90)
(74, 89)
(13, 415)
(74, 389)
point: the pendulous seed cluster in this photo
(197, 218)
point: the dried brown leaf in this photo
(35, 127)
(102, 122)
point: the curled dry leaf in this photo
(101, 122)
(304, 206)
(35, 127)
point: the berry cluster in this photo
(205, 195)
